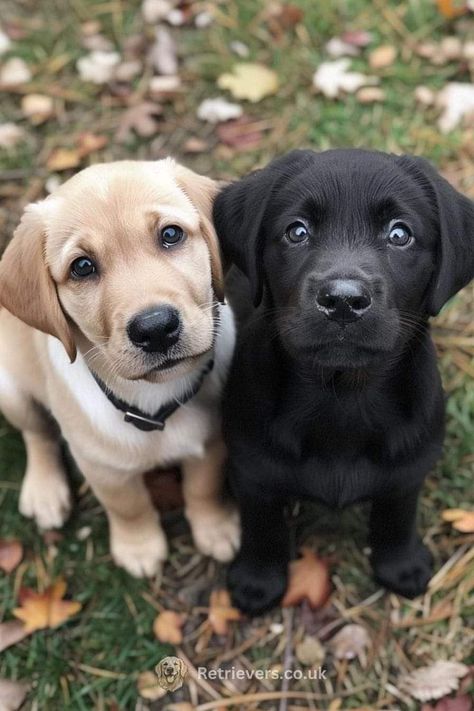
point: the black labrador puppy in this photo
(334, 393)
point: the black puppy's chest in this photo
(342, 451)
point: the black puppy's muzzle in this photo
(343, 300)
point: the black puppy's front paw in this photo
(406, 571)
(255, 589)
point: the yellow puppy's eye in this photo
(171, 235)
(83, 267)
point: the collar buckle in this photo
(144, 423)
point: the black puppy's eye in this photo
(297, 233)
(83, 267)
(399, 234)
(171, 235)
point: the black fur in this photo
(330, 412)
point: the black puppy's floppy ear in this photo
(455, 212)
(239, 212)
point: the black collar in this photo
(157, 421)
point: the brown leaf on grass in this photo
(351, 642)
(383, 56)
(249, 80)
(242, 134)
(358, 38)
(221, 612)
(11, 633)
(47, 609)
(165, 489)
(37, 108)
(460, 519)
(63, 159)
(141, 119)
(11, 553)
(451, 703)
(89, 142)
(12, 694)
(148, 687)
(309, 580)
(167, 626)
(451, 8)
(433, 682)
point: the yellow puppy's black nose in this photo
(156, 329)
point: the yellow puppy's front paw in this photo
(141, 558)
(216, 532)
(46, 499)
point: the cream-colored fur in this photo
(56, 329)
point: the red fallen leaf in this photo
(357, 38)
(309, 580)
(11, 553)
(450, 703)
(243, 133)
(289, 16)
(165, 489)
(451, 9)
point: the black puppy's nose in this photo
(343, 300)
(156, 329)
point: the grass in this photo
(93, 661)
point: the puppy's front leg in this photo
(400, 560)
(214, 522)
(137, 541)
(258, 576)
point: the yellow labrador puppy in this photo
(114, 328)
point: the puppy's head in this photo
(350, 248)
(123, 259)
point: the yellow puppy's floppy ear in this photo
(27, 288)
(202, 191)
(182, 668)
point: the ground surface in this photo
(94, 660)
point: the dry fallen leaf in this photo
(457, 101)
(433, 682)
(163, 86)
(10, 135)
(5, 42)
(141, 119)
(336, 47)
(309, 580)
(11, 553)
(460, 520)
(218, 110)
(332, 78)
(461, 702)
(148, 687)
(127, 71)
(242, 134)
(249, 81)
(45, 610)
(221, 612)
(37, 108)
(359, 38)
(98, 67)
(63, 159)
(90, 143)
(11, 633)
(383, 56)
(310, 651)
(15, 71)
(154, 11)
(370, 94)
(12, 694)
(351, 642)
(167, 626)
(162, 55)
